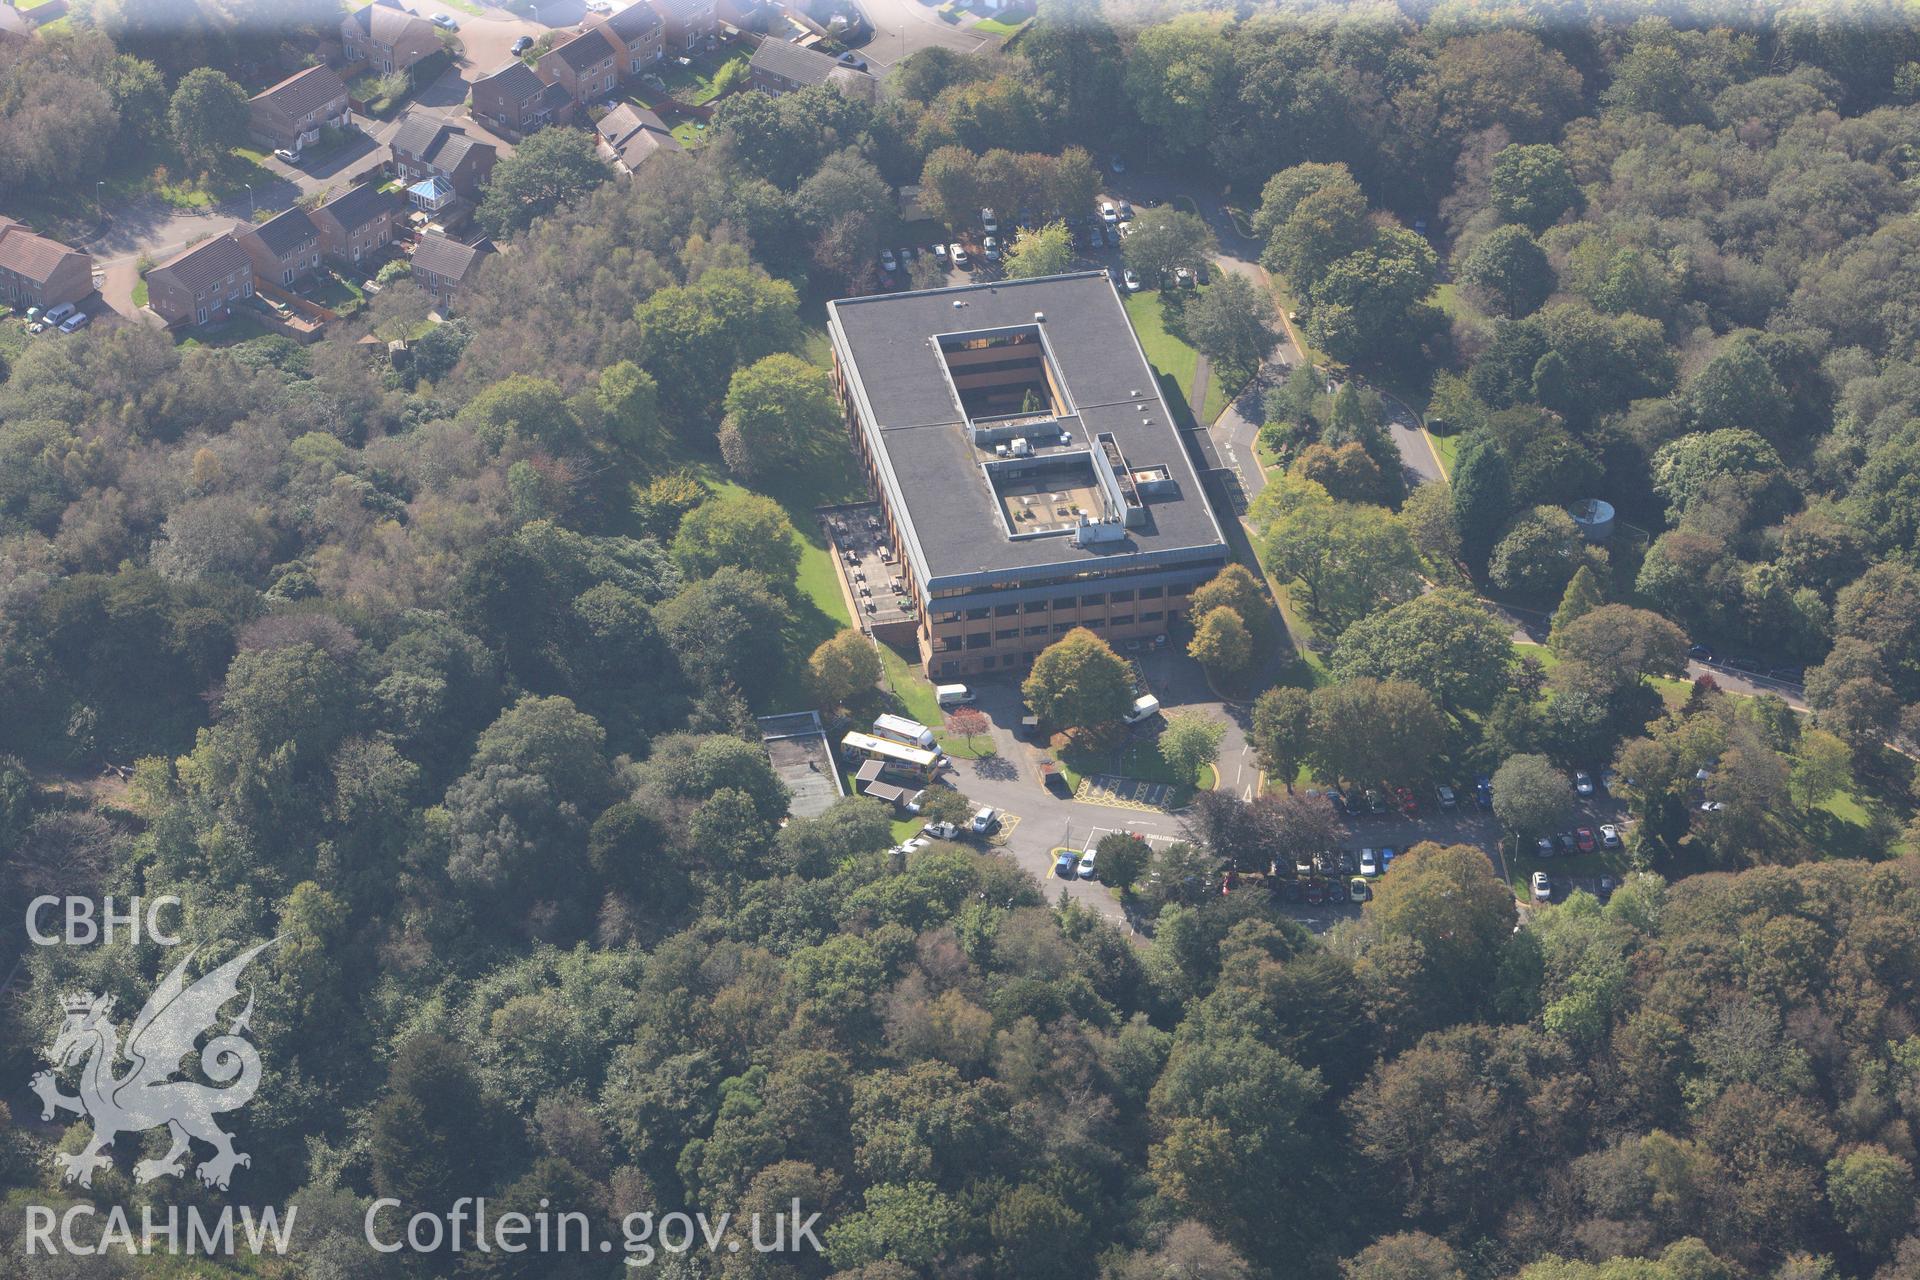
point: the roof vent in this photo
(958, 303)
(1039, 317)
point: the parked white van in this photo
(952, 695)
(901, 729)
(1144, 707)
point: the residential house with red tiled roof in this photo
(291, 114)
(387, 38)
(38, 272)
(584, 66)
(200, 284)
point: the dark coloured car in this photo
(1316, 891)
(1336, 890)
(1568, 845)
(1289, 890)
(1376, 803)
(521, 45)
(1067, 866)
(1700, 653)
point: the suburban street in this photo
(901, 28)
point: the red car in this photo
(1585, 840)
(1408, 805)
(1316, 891)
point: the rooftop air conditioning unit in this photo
(1039, 317)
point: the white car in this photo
(1086, 866)
(991, 247)
(887, 262)
(1109, 214)
(1610, 836)
(1131, 279)
(942, 830)
(444, 21)
(958, 252)
(940, 253)
(989, 223)
(985, 820)
(1369, 863)
(75, 322)
(1542, 887)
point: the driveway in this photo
(901, 28)
(1041, 821)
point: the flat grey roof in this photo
(797, 747)
(900, 377)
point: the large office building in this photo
(1031, 474)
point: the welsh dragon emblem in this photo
(146, 1095)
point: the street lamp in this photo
(249, 187)
(100, 198)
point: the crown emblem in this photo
(78, 1002)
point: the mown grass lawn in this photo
(1165, 352)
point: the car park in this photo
(1444, 797)
(942, 830)
(75, 322)
(1542, 887)
(1610, 836)
(1585, 841)
(1582, 783)
(985, 820)
(1131, 279)
(1087, 871)
(1066, 866)
(1369, 863)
